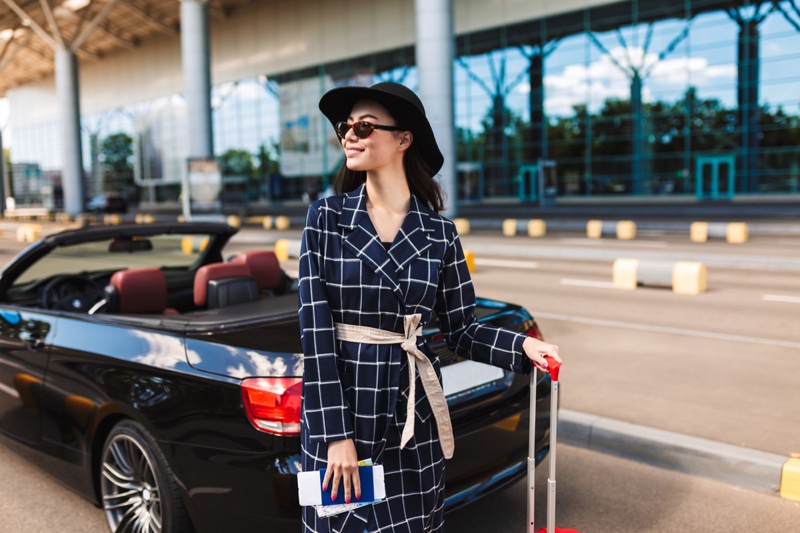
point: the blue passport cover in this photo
(367, 488)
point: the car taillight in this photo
(533, 331)
(273, 404)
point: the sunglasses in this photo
(362, 128)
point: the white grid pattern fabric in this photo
(359, 391)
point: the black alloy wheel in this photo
(139, 493)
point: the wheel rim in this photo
(131, 495)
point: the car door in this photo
(25, 339)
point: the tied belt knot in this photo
(416, 359)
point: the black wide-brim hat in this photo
(401, 102)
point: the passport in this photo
(373, 488)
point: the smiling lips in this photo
(351, 151)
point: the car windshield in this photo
(170, 251)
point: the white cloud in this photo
(604, 79)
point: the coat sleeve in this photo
(327, 414)
(455, 309)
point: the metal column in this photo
(196, 54)
(435, 52)
(195, 47)
(72, 182)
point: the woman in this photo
(376, 262)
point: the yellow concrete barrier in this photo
(470, 258)
(698, 232)
(267, 222)
(790, 479)
(112, 219)
(282, 249)
(282, 223)
(29, 233)
(509, 227)
(683, 277)
(689, 278)
(63, 218)
(287, 249)
(462, 226)
(736, 233)
(624, 274)
(733, 232)
(142, 218)
(537, 228)
(594, 229)
(626, 230)
(234, 221)
(192, 244)
(623, 229)
(84, 219)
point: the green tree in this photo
(116, 152)
(234, 162)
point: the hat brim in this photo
(337, 104)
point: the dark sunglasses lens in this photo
(342, 128)
(363, 129)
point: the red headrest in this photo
(264, 266)
(141, 290)
(215, 271)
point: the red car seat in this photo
(138, 291)
(223, 284)
(264, 267)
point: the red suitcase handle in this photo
(553, 366)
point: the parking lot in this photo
(720, 366)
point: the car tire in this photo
(137, 488)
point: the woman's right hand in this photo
(342, 466)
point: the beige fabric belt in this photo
(430, 382)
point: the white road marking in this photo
(779, 298)
(672, 331)
(8, 390)
(588, 283)
(583, 240)
(616, 242)
(506, 264)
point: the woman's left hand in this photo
(536, 351)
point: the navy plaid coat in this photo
(359, 391)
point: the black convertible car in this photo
(162, 380)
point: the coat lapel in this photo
(412, 239)
(363, 240)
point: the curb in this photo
(731, 464)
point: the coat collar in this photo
(363, 240)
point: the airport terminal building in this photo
(687, 99)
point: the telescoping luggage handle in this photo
(554, 367)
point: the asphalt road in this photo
(721, 365)
(597, 493)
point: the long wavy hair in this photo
(419, 175)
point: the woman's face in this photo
(382, 149)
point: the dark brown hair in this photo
(419, 175)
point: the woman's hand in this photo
(342, 466)
(536, 351)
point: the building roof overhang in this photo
(32, 30)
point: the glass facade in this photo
(643, 98)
